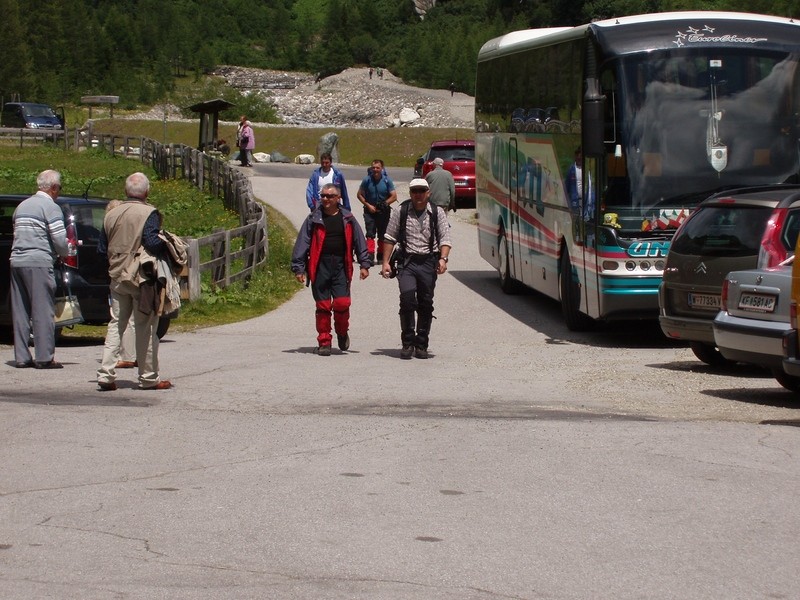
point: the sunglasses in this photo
(329, 195)
(419, 190)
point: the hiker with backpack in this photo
(323, 258)
(376, 193)
(417, 240)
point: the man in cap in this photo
(423, 234)
(443, 187)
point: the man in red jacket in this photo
(326, 243)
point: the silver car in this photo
(754, 319)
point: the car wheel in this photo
(163, 326)
(571, 297)
(507, 283)
(709, 354)
(790, 382)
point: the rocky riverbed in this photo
(348, 99)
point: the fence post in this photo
(227, 257)
(193, 277)
(217, 250)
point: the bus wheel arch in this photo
(570, 295)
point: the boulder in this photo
(279, 158)
(303, 159)
(261, 157)
(408, 115)
(329, 143)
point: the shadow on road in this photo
(543, 314)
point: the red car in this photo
(459, 159)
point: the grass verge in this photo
(399, 146)
(187, 211)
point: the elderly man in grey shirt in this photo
(39, 238)
(443, 188)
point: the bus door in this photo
(514, 221)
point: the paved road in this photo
(520, 461)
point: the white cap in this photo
(418, 183)
(438, 161)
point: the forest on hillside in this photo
(58, 50)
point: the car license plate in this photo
(757, 303)
(704, 301)
(460, 183)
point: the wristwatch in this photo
(444, 258)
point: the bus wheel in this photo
(709, 354)
(571, 297)
(507, 283)
(790, 382)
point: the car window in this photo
(723, 231)
(39, 110)
(6, 221)
(88, 222)
(458, 153)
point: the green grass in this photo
(187, 211)
(398, 147)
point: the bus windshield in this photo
(685, 123)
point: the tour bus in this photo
(594, 143)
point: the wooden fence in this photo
(33, 136)
(235, 253)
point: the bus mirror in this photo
(593, 126)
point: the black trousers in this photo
(416, 278)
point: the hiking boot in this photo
(406, 352)
(344, 342)
(324, 351)
(421, 352)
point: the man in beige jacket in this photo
(130, 232)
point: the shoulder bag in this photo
(67, 308)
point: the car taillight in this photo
(72, 243)
(724, 296)
(793, 314)
(772, 252)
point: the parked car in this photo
(735, 230)
(87, 270)
(30, 115)
(459, 159)
(754, 319)
(791, 341)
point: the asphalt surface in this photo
(520, 461)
